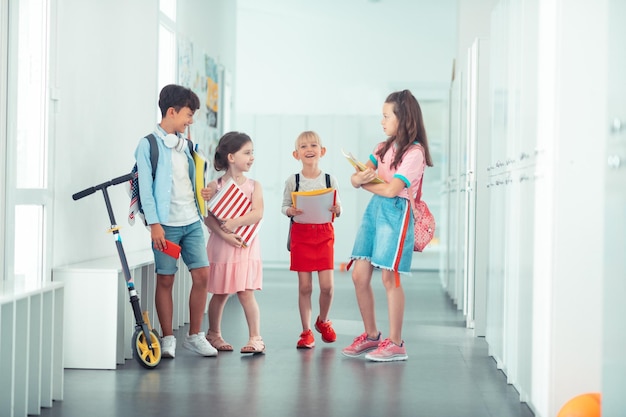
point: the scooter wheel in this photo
(148, 358)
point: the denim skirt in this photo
(385, 237)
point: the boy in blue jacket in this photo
(171, 212)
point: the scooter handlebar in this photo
(91, 190)
(83, 193)
(121, 179)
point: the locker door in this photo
(614, 343)
(476, 202)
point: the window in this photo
(167, 56)
(31, 94)
(29, 242)
(26, 157)
(168, 9)
(167, 46)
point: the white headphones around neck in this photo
(175, 142)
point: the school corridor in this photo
(448, 374)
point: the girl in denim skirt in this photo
(385, 237)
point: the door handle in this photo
(614, 161)
(617, 126)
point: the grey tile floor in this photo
(448, 373)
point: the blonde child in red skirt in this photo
(312, 245)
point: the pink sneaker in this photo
(388, 351)
(360, 345)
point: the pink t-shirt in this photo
(410, 169)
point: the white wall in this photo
(614, 308)
(106, 101)
(328, 66)
(105, 78)
(473, 24)
(341, 57)
(104, 82)
(4, 18)
(512, 186)
(274, 137)
(571, 142)
(211, 26)
(544, 323)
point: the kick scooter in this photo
(145, 341)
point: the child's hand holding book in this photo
(314, 207)
(361, 167)
(209, 191)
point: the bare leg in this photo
(163, 302)
(395, 306)
(362, 279)
(251, 311)
(216, 310)
(305, 289)
(326, 279)
(197, 298)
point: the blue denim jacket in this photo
(156, 195)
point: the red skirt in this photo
(312, 247)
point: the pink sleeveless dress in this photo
(234, 269)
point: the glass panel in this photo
(168, 8)
(167, 56)
(167, 59)
(31, 94)
(29, 242)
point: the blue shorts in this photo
(385, 237)
(192, 244)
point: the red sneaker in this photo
(307, 341)
(326, 329)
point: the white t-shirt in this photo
(306, 184)
(183, 209)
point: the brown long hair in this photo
(410, 127)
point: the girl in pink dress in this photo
(235, 268)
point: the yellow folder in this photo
(201, 164)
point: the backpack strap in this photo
(154, 153)
(297, 188)
(298, 181)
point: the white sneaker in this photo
(168, 347)
(198, 343)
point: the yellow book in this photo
(315, 205)
(360, 166)
(201, 164)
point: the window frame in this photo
(4, 54)
(12, 196)
(168, 24)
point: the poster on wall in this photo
(185, 63)
(212, 90)
(200, 73)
